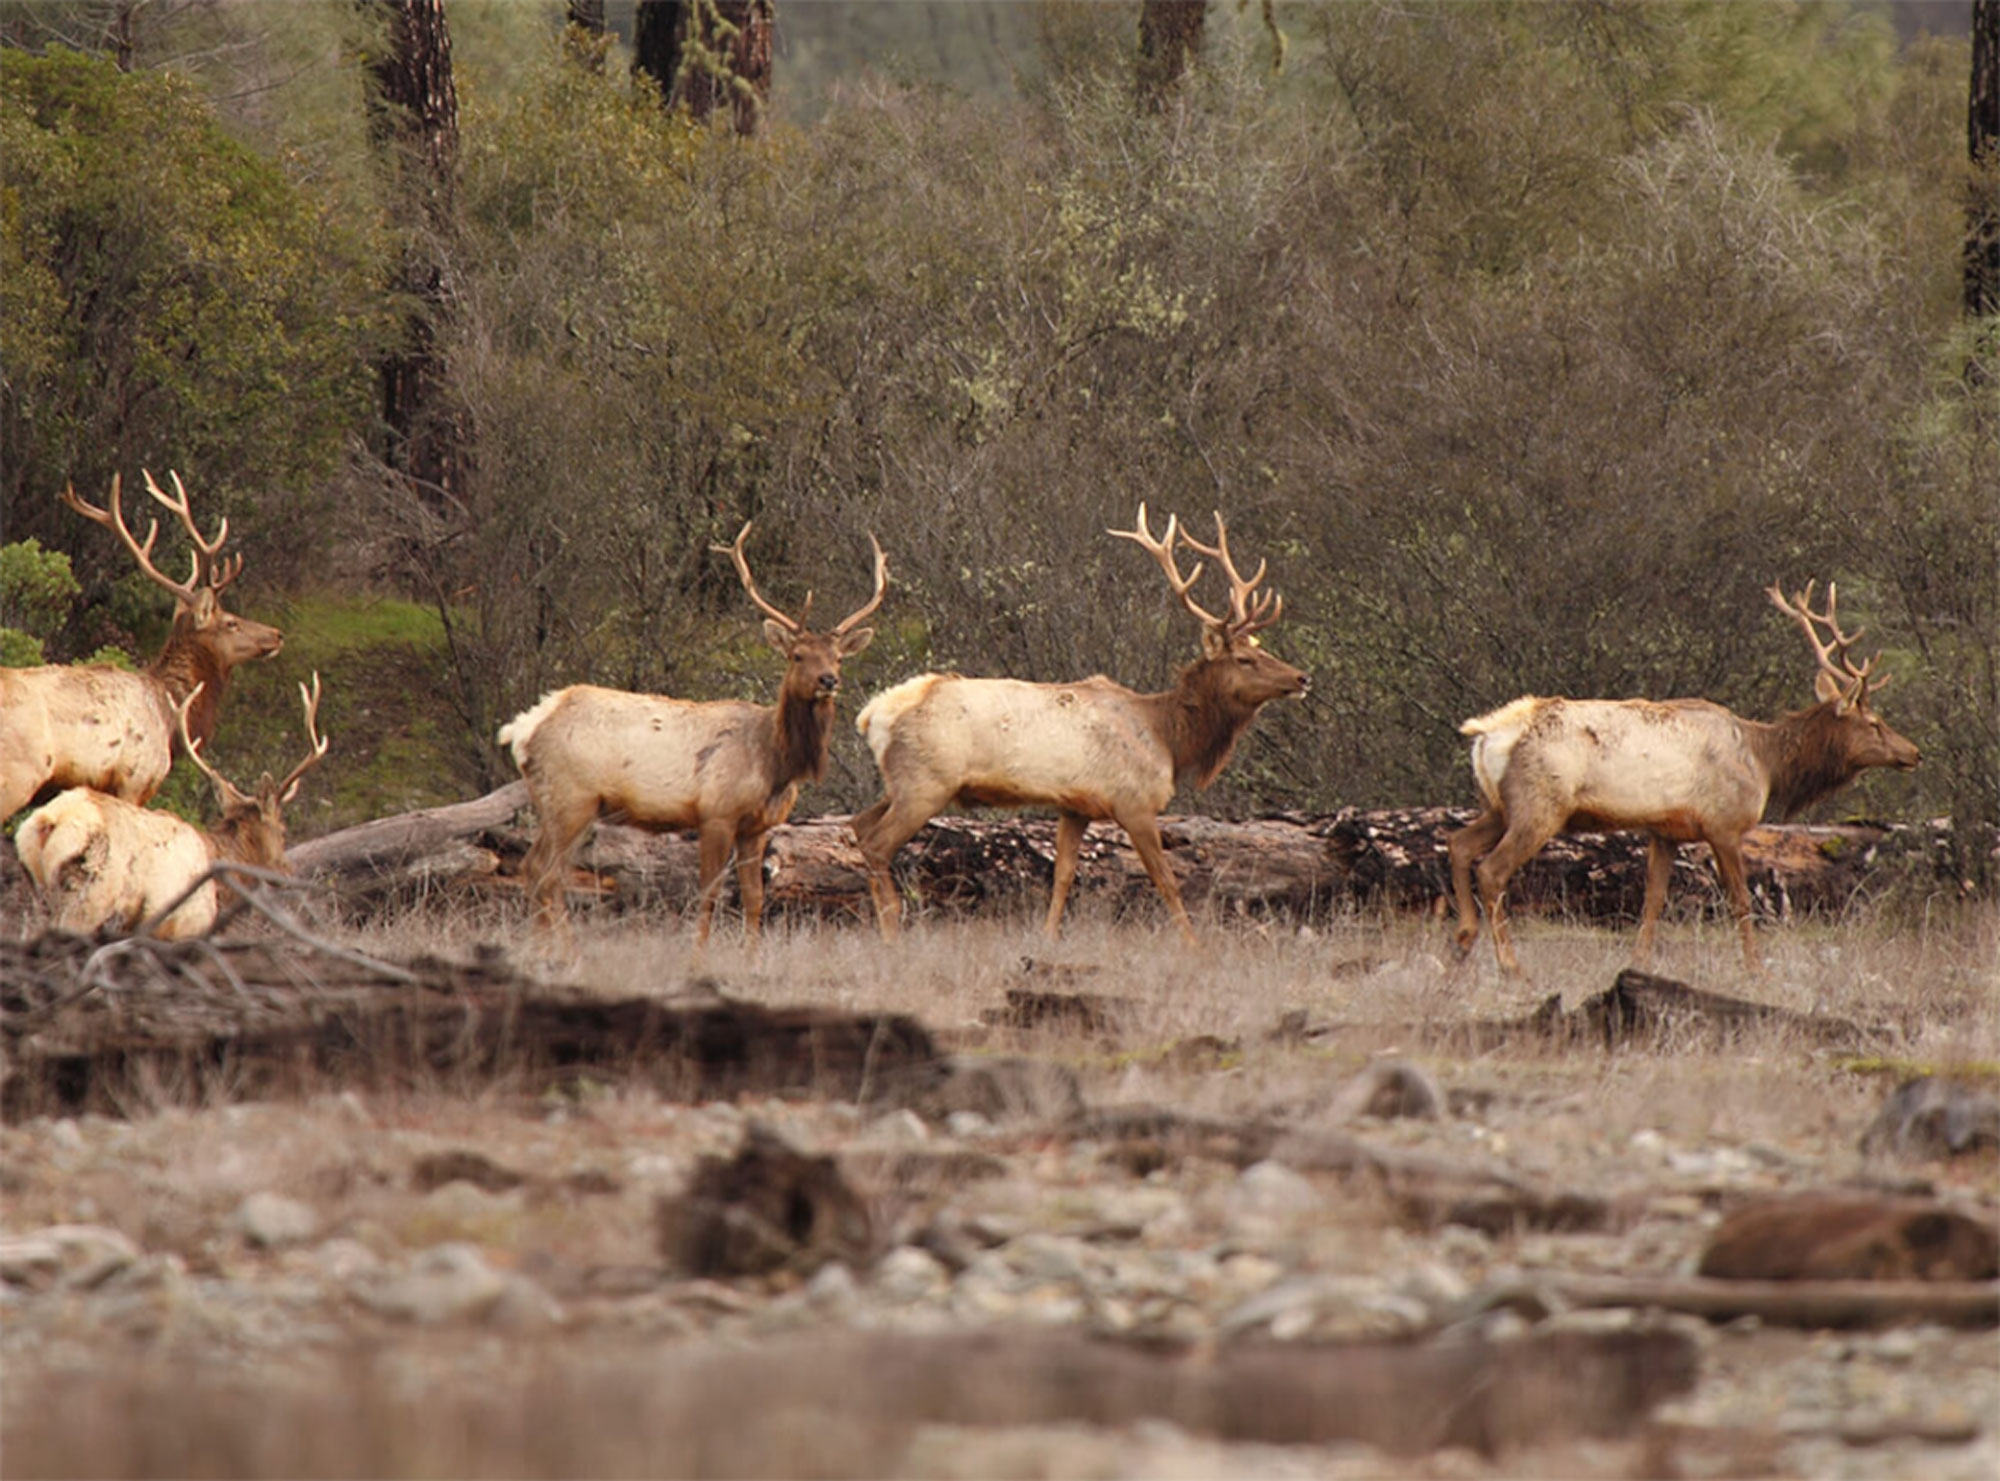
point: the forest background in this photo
(1528, 342)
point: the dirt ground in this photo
(296, 1288)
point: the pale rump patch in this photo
(517, 732)
(879, 716)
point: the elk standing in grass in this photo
(111, 729)
(101, 860)
(1682, 771)
(1092, 749)
(728, 769)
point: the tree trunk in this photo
(1170, 32)
(416, 125)
(707, 54)
(1982, 142)
(585, 35)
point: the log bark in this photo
(1295, 865)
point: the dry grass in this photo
(617, 1391)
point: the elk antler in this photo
(861, 614)
(289, 787)
(793, 625)
(231, 794)
(1853, 683)
(205, 568)
(1163, 552)
(1246, 615)
(797, 625)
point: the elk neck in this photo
(801, 729)
(184, 662)
(1803, 756)
(1202, 721)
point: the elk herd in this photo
(102, 739)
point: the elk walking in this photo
(100, 860)
(728, 769)
(1681, 771)
(110, 729)
(1091, 749)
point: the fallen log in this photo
(133, 1026)
(848, 1404)
(1294, 864)
(1781, 1303)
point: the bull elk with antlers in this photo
(113, 730)
(1681, 771)
(728, 769)
(1091, 749)
(101, 860)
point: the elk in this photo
(1092, 749)
(110, 729)
(101, 860)
(728, 769)
(1681, 771)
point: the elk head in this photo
(1236, 664)
(253, 823)
(199, 616)
(812, 660)
(1858, 738)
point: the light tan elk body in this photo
(1091, 749)
(728, 769)
(111, 729)
(100, 860)
(1682, 771)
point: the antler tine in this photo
(1163, 552)
(289, 787)
(113, 519)
(1833, 659)
(1245, 616)
(218, 573)
(735, 553)
(881, 590)
(231, 794)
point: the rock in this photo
(1932, 1117)
(1267, 1193)
(446, 1283)
(77, 1255)
(908, 1274)
(1387, 1089)
(768, 1208)
(1327, 1308)
(271, 1221)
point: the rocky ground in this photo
(474, 1279)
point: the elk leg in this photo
(716, 842)
(1729, 864)
(1659, 872)
(1466, 846)
(1144, 831)
(750, 881)
(1069, 843)
(547, 863)
(880, 831)
(1523, 840)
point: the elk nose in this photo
(829, 683)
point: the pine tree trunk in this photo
(416, 124)
(708, 54)
(1170, 33)
(1982, 141)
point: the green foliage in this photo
(36, 590)
(170, 300)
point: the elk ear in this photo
(1827, 687)
(1214, 642)
(778, 635)
(852, 643)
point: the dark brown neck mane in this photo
(802, 729)
(1202, 722)
(184, 662)
(1801, 757)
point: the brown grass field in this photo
(205, 1352)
